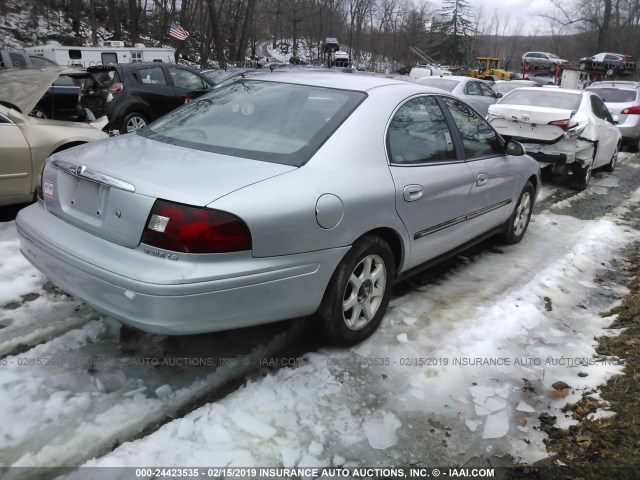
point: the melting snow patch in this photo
(402, 338)
(380, 429)
(496, 426)
(251, 425)
(409, 320)
(525, 407)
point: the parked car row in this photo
(609, 63)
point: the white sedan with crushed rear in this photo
(568, 130)
(276, 197)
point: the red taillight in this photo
(563, 124)
(631, 111)
(115, 88)
(194, 230)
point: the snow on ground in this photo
(459, 368)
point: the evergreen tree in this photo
(454, 27)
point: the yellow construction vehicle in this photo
(488, 68)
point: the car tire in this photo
(133, 122)
(581, 176)
(611, 166)
(518, 222)
(38, 112)
(358, 293)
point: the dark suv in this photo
(135, 94)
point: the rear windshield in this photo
(543, 97)
(441, 83)
(273, 122)
(615, 95)
(105, 77)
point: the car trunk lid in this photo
(109, 187)
(530, 123)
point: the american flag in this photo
(177, 32)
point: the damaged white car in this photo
(569, 130)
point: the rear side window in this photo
(150, 76)
(106, 77)
(186, 79)
(615, 95)
(269, 121)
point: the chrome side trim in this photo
(440, 226)
(488, 209)
(458, 220)
(81, 171)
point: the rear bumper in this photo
(235, 292)
(549, 158)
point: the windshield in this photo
(615, 95)
(441, 83)
(543, 97)
(269, 121)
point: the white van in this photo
(428, 71)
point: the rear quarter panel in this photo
(352, 165)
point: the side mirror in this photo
(514, 148)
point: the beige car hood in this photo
(25, 87)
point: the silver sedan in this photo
(278, 197)
(477, 93)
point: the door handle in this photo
(482, 179)
(412, 193)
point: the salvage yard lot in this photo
(467, 359)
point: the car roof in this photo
(629, 85)
(331, 79)
(554, 88)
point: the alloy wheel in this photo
(522, 214)
(364, 292)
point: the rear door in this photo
(473, 95)
(154, 88)
(432, 183)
